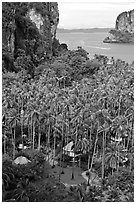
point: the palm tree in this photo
(54, 133)
(4, 128)
(94, 150)
(13, 122)
(103, 121)
(67, 120)
(78, 148)
(103, 154)
(54, 136)
(39, 133)
(76, 136)
(111, 155)
(48, 139)
(131, 150)
(62, 139)
(90, 146)
(29, 129)
(61, 152)
(73, 166)
(22, 121)
(130, 155)
(81, 147)
(119, 126)
(34, 119)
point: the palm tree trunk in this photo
(54, 134)
(103, 155)
(67, 133)
(73, 176)
(112, 172)
(89, 159)
(14, 143)
(39, 138)
(94, 152)
(124, 141)
(119, 136)
(128, 140)
(64, 83)
(61, 166)
(73, 166)
(4, 145)
(80, 162)
(68, 127)
(29, 131)
(118, 156)
(22, 131)
(4, 141)
(132, 144)
(127, 143)
(89, 153)
(74, 154)
(48, 142)
(22, 121)
(63, 155)
(90, 169)
(54, 148)
(118, 159)
(33, 133)
(130, 165)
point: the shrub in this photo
(20, 176)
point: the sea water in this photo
(93, 44)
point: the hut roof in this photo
(21, 160)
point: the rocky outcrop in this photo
(124, 29)
(28, 25)
(125, 22)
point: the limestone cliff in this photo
(124, 29)
(29, 26)
(125, 21)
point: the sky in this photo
(91, 14)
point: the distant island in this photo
(83, 30)
(124, 29)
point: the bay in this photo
(93, 44)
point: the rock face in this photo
(125, 22)
(28, 25)
(124, 29)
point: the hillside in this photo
(28, 30)
(88, 30)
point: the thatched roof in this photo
(21, 160)
(69, 147)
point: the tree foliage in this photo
(78, 99)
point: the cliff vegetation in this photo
(28, 34)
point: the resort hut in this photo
(21, 160)
(115, 139)
(110, 61)
(68, 149)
